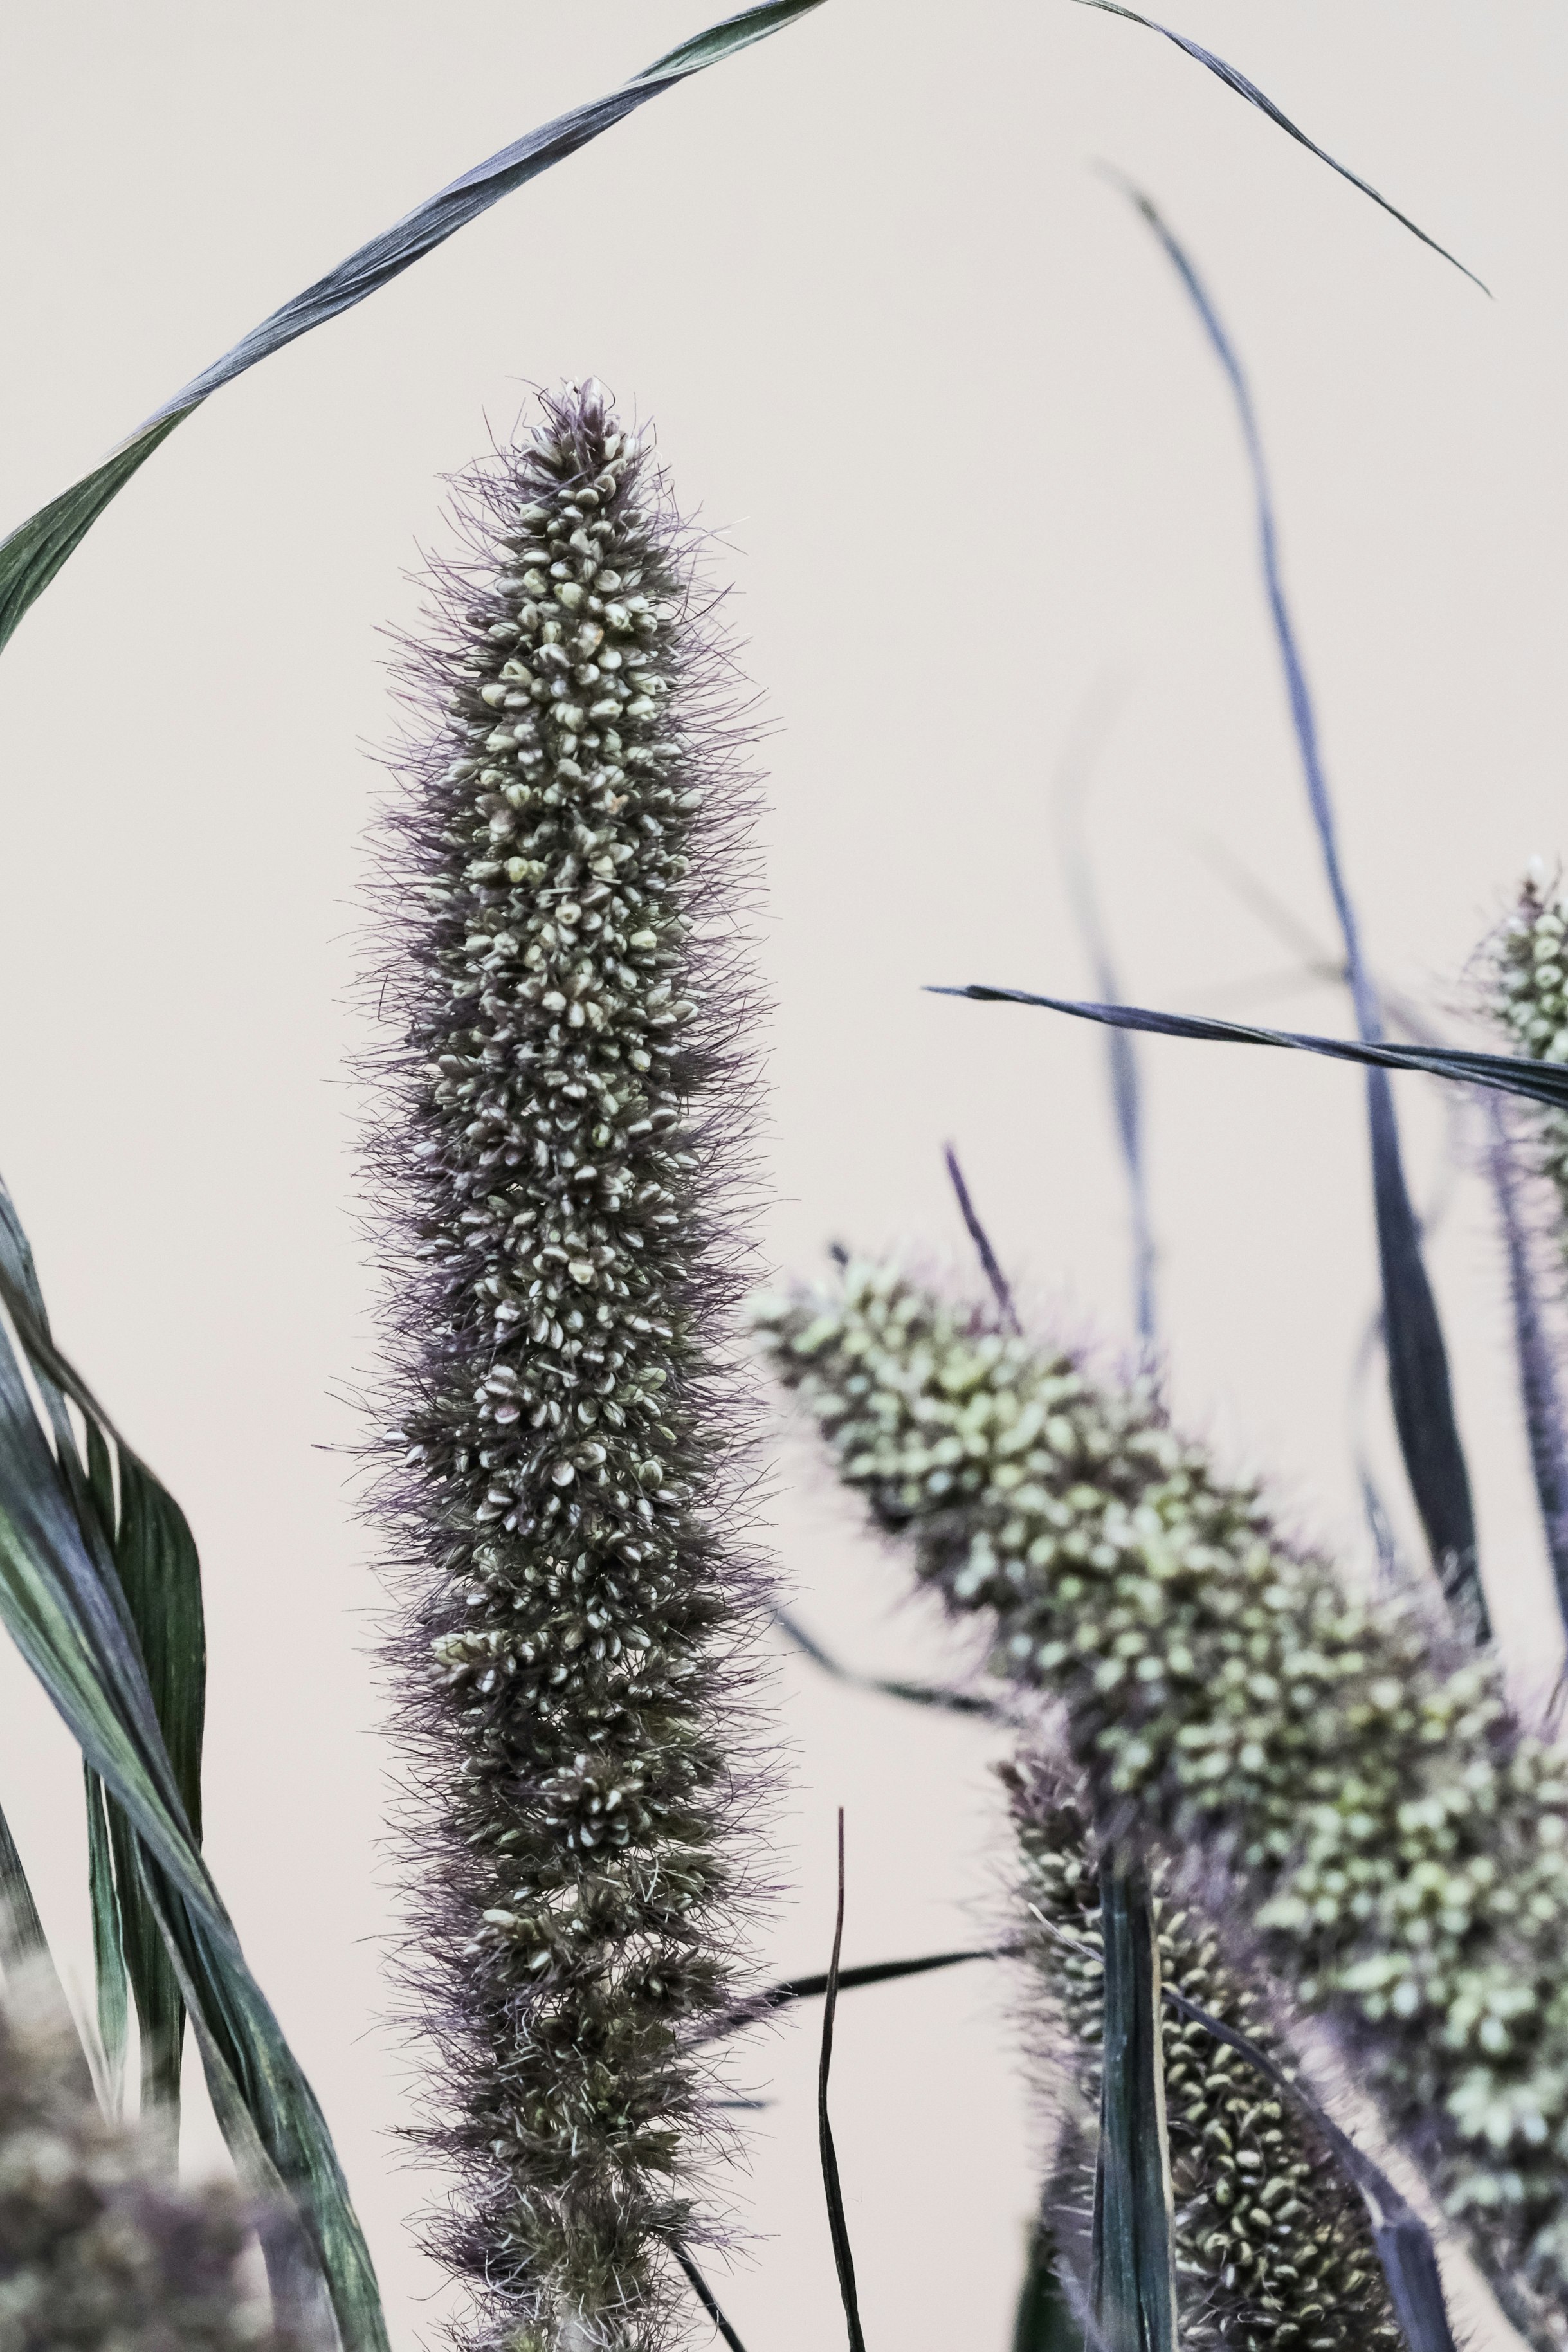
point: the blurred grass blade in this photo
(1541, 1390)
(35, 552)
(62, 1601)
(1133, 2292)
(21, 1929)
(1072, 784)
(948, 1702)
(1255, 96)
(1420, 1390)
(1544, 1082)
(839, 1980)
(838, 2227)
(1044, 2321)
(1404, 2242)
(107, 1946)
(991, 1264)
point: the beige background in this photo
(936, 385)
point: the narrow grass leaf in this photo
(1001, 1290)
(1255, 96)
(1420, 1390)
(948, 1702)
(795, 1988)
(35, 552)
(1404, 2242)
(1544, 1082)
(1133, 2292)
(107, 1946)
(1541, 1388)
(21, 1934)
(706, 2298)
(838, 2227)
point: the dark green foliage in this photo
(1132, 2277)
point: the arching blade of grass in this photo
(64, 1603)
(1255, 96)
(36, 551)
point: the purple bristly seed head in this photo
(556, 1179)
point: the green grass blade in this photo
(65, 1610)
(35, 552)
(21, 1929)
(1133, 2283)
(108, 1946)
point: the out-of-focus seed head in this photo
(1402, 1847)
(99, 2250)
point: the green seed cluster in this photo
(1273, 2249)
(1526, 993)
(100, 2251)
(1402, 1849)
(566, 1501)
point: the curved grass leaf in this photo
(950, 1701)
(1132, 2290)
(1420, 1390)
(107, 1946)
(1255, 96)
(62, 1601)
(35, 552)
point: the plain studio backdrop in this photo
(982, 496)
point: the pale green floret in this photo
(1273, 2248)
(1525, 984)
(1400, 1844)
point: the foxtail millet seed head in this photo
(567, 985)
(1399, 1845)
(1274, 2252)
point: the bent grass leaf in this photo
(1255, 96)
(36, 551)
